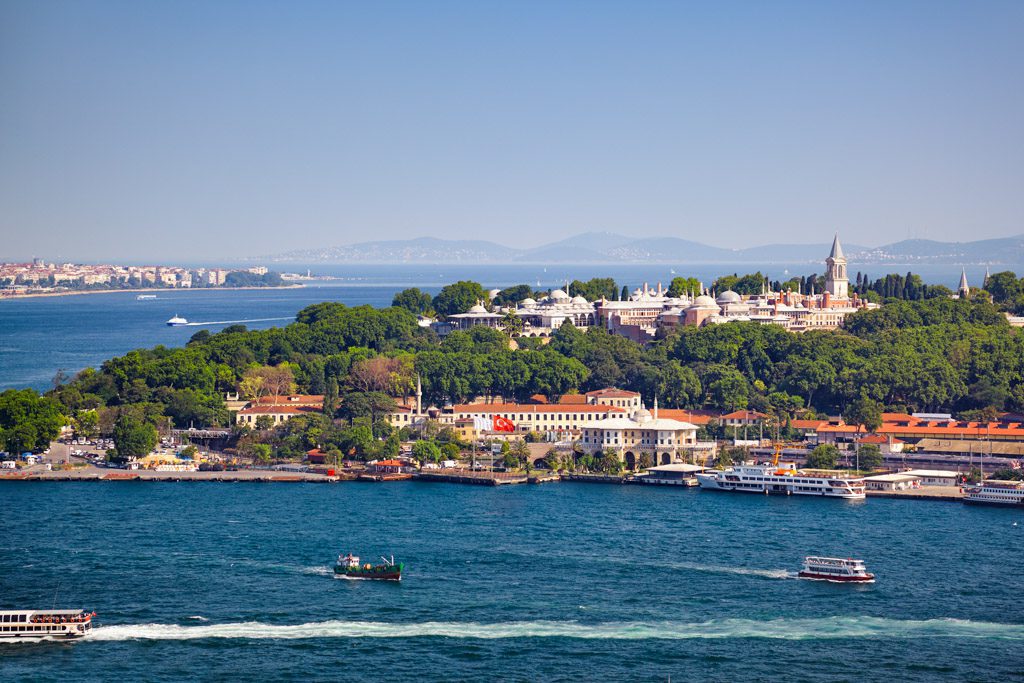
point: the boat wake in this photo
(234, 322)
(744, 571)
(776, 629)
(318, 571)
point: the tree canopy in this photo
(28, 421)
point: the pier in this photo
(100, 474)
(948, 494)
(479, 478)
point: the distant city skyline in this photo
(205, 131)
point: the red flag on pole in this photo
(502, 424)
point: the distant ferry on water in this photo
(143, 297)
(49, 624)
(783, 479)
(835, 569)
(176, 321)
(995, 492)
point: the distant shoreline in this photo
(39, 295)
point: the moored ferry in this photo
(49, 624)
(995, 492)
(835, 569)
(782, 479)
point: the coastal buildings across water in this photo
(38, 276)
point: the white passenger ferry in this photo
(783, 479)
(995, 492)
(835, 569)
(49, 624)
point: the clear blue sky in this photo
(162, 130)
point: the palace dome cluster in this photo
(648, 309)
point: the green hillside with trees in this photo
(935, 354)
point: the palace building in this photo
(647, 309)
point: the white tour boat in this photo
(49, 624)
(176, 321)
(144, 297)
(783, 479)
(835, 569)
(995, 492)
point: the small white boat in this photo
(48, 624)
(143, 297)
(177, 321)
(836, 569)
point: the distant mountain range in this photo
(603, 247)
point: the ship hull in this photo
(870, 578)
(7, 637)
(771, 492)
(373, 574)
(994, 503)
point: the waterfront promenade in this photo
(450, 476)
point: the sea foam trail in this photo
(715, 569)
(782, 629)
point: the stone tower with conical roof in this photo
(964, 290)
(837, 284)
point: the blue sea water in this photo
(559, 582)
(40, 336)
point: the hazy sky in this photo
(163, 130)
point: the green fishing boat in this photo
(349, 567)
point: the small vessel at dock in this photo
(177, 321)
(835, 569)
(995, 492)
(48, 624)
(349, 567)
(786, 480)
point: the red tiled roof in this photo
(744, 415)
(877, 438)
(696, 417)
(806, 424)
(612, 392)
(278, 410)
(538, 398)
(947, 429)
(533, 408)
(572, 400)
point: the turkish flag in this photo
(502, 424)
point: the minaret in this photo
(655, 406)
(964, 290)
(419, 396)
(837, 284)
(984, 285)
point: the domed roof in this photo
(729, 297)
(478, 309)
(528, 301)
(559, 294)
(703, 301)
(642, 415)
(579, 300)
